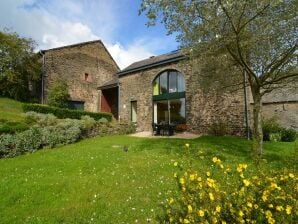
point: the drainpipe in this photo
(42, 76)
(246, 105)
(119, 101)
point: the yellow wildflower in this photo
(186, 221)
(199, 179)
(175, 163)
(217, 209)
(223, 222)
(256, 206)
(279, 208)
(221, 166)
(183, 189)
(288, 209)
(201, 213)
(182, 181)
(187, 145)
(175, 175)
(192, 177)
(189, 208)
(241, 213)
(270, 205)
(246, 182)
(291, 175)
(249, 204)
(208, 174)
(211, 196)
(171, 200)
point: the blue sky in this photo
(54, 23)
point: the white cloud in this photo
(57, 23)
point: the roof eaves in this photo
(175, 59)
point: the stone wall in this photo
(203, 108)
(84, 67)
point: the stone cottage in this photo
(159, 90)
(84, 67)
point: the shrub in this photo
(270, 126)
(43, 120)
(28, 141)
(9, 127)
(288, 135)
(7, 145)
(58, 94)
(64, 113)
(231, 197)
(219, 128)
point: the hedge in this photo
(64, 113)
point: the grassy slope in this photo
(10, 109)
(94, 181)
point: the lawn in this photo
(95, 181)
(10, 109)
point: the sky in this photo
(56, 23)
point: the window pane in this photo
(163, 83)
(181, 82)
(172, 82)
(162, 112)
(156, 86)
(177, 111)
(133, 111)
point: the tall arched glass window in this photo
(169, 98)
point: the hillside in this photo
(10, 109)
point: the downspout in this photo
(118, 100)
(42, 76)
(246, 106)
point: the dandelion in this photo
(201, 213)
(191, 177)
(187, 145)
(182, 181)
(175, 175)
(217, 209)
(241, 213)
(246, 182)
(211, 196)
(185, 221)
(249, 204)
(291, 175)
(270, 205)
(189, 209)
(279, 208)
(175, 163)
(208, 174)
(288, 209)
(223, 222)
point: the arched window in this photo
(169, 98)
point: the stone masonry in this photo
(84, 67)
(202, 109)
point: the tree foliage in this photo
(259, 37)
(19, 66)
(58, 93)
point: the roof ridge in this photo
(73, 45)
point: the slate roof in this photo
(110, 84)
(152, 62)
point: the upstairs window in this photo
(168, 82)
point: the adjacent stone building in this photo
(161, 90)
(84, 67)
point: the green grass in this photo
(95, 181)
(10, 109)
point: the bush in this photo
(270, 126)
(231, 197)
(9, 127)
(64, 113)
(58, 94)
(272, 131)
(43, 120)
(219, 128)
(288, 135)
(7, 146)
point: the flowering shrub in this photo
(232, 197)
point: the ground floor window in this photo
(169, 111)
(76, 105)
(134, 111)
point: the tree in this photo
(260, 37)
(19, 66)
(58, 93)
